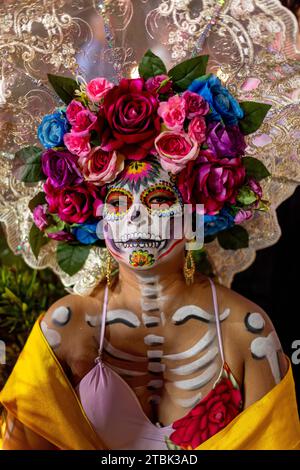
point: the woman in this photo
(166, 344)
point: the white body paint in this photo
(194, 310)
(188, 402)
(122, 354)
(194, 366)
(156, 367)
(52, 336)
(268, 347)
(155, 383)
(256, 321)
(198, 347)
(198, 381)
(151, 340)
(94, 320)
(122, 314)
(61, 316)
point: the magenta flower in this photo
(73, 109)
(85, 121)
(97, 88)
(77, 144)
(73, 204)
(242, 215)
(211, 181)
(40, 216)
(195, 105)
(61, 236)
(153, 84)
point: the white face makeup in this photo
(139, 215)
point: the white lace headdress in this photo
(251, 45)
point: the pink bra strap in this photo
(218, 323)
(103, 319)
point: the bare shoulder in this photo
(68, 322)
(250, 332)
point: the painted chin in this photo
(141, 256)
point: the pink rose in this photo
(211, 181)
(40, 216)
(242, 215)
(73, 109)
(175, 149)
(77, 144)
(101, 167)
(254, 186)
(74, 204)
(197, 129)
(85, 121)
(61, 236)
(195, 105)
(173, 112)
(153, 84)
(129, 119)
(97, 88)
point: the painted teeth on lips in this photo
(139, 236)
(142, 243)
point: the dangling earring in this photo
(189, 268)
(108, 269)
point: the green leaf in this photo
(184, 73)
(95, 138)
(39, 198)
(209, 238)
(36, 240)
(234, 238)
(254, 114)
(71, 257)
(64, 86)
(246, 196)
(151, 65)
(255, 168)
(27, 165)
(55, 228)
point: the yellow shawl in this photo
(39, 394)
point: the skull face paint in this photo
(139, 215)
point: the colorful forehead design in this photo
(139, 173)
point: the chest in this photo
(169, 367)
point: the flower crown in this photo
(185, 117)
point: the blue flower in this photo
(86, 233)
(52, 129)
(222, 104)
(216, 223)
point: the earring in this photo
(189, 268)
(108, 269)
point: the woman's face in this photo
(143, 215)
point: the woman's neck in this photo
(149, 290)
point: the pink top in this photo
(118, 417)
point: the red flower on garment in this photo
(211, 415)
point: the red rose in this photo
(129, 118)
(211, 415)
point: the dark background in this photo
(273, 280)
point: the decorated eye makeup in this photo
(118, 201)
(161, 198)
